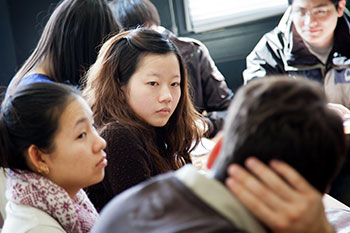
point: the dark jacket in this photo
(165, 204)
(208, 88)
(282, 51)
(129, 163)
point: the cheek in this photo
(140, 97)
(331, 24)
(177, 95)
(142, 103)
(298, 24)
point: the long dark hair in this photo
(116, 63)
(30, 117)
(71, 39)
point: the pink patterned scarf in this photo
(28, 188)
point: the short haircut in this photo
(335, 2)
(285, 119)
(136, 13)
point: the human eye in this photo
(175, 84)
(82, 135)
(152, 83)
(320, 12)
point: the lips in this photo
(102, 162)
(164, 110)
(312, 30)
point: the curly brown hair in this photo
(117, 61)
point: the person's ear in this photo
(36, 158)
(341, 7)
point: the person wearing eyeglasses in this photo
(311, 40)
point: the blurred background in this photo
(229, 29)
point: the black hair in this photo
(136, 13)
(71, 39)
(30, 116)
(286, 119)
(335, 2)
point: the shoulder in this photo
(123, 143)
(271, 39)
(136, 205)
(162, 204)
(35, 78)
(24, 218)
(117, 131)
(191, 40)
(191, 43)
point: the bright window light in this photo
(204, 15)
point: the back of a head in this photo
(31, 117)
(71, 39)
(80, 28)
(285, 119)
(132, 14)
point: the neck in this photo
(324, 43)
(72, 194)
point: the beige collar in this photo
(219, 198)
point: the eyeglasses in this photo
(319, 12)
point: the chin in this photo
(98, 178)
(159, 124)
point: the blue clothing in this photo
(35, 78)
(31, 78)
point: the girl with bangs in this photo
(139, 95)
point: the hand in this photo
(284, 208)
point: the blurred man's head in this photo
(316, 20)
(286, 119)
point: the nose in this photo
(165, 94)
(99, 143)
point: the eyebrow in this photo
(159, 76)
(80, 121)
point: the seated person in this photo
(137, 89)
(277, 118)
(51, 151)
(311, 40)
(211, 96)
